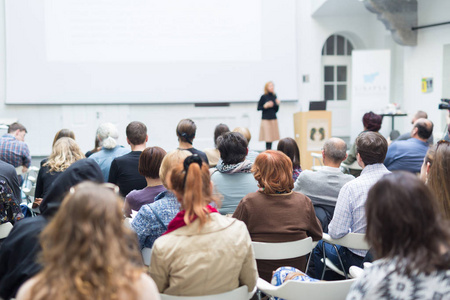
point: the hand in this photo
(24, 169)
(269, 104)
(277, 101)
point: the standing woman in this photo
(269, 104)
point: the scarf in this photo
(242, 167)
(178, 221)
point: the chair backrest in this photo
(351, 240)
(5, 229)
(240, 293)
(274, 251)
(146, 255)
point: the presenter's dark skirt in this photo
(269, 131)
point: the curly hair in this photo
(273, 171)
(87, 252)
(64, 153)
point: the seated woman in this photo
(202, 252)
(149, 165)
(289, 147)
(213, 154)
(186, 131)
(436, 172)
(152, 219)
(411, 240)
(60, 134)
(64, 153)
(87, 253)
(275, 213)
(233, 178)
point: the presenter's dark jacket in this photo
(268, 113)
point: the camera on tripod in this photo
(445, 104)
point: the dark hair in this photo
(289, 147)
(372, 147)
(136, 133)
(220, 129)
(372, 121)
(16, 126)
(232, 147)
(424, 130)
(150, 162)
(403, 222)
(63, 133)
(186, 130)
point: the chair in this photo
(146, 255)
(352, 240)
(5, 229)
(316, 156)
(298, 290)
(240, 293)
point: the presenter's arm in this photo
(261, 103)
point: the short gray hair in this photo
(335, 149)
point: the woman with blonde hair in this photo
(269, 104)
(87, 253)
(202, 252)
(64, 153)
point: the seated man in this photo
(349, 215)
(323, 186)
(13, 149)
(233, 178)
(419, 115)
(124, 170)
(408, 155)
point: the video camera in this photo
(445, 104)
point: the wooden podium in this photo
(312, 129)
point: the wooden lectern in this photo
(312, 129)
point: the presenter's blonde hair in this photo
(266, 87)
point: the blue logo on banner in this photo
(370, 78)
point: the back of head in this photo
(232, 147)
(372, 147)
(136, 133)
(439, 159)
(107, 134)
(150, 162)
(191, 182)
(421, 115)
(335, 149)
(64, 153)
(424, 128)
(186, 130)
(273, 171)
(372, 121)
(245, 132)
(169, 161)
(63, 133)
(403, 221)
(86, 250)
(289, 147)
(219, 130)
(16, 126)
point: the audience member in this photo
(107, 135)
(152, 219)
(251, 156)
(408, 155)
(149, 166)
(436, 173)
(411, 241)
(124, 169)
(276, 213)
(289, 147)
(13, 149)
(323, 186)
(60, 134)
(64, 153)
(9, 175)
(349, 215)
(419, 115)
(97, 147)
(185, 260)
(87, 253)
(10, 210)
(371, 122)
(233, 178)
(186, 131)
(213, 154)
(19, 252)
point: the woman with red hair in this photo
(276, 213)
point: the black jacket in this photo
(268, 113)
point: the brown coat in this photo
(279, 218)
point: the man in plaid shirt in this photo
(13, 149)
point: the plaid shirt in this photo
(14, 152)
(349, 215)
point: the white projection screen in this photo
(148, 51)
